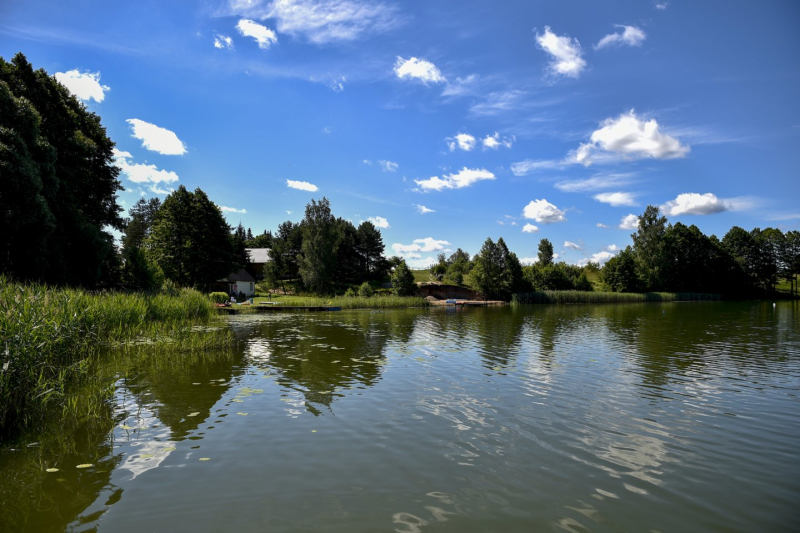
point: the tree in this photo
(545, 252)
(370, 247)
(458, 266)
(139, 223)
(619, 273)
(648, 247)
(191, 242)
(319, 246)
(58, 191)
(260, 241)
(403, 280)
(487, 272)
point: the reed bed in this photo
(354, 302)
(48, 337)
(590, 297)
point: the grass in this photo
(49, 337)
(587, 297)
(349, 302)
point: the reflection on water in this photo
(662, 417)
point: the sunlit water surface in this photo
(654, 417)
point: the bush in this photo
(365, 291)
(350, 293)
(218, 297)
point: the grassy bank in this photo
(49, 337)
(349, 302)
(586, 297)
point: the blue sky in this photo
(443, 122)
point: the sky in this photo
(443, 122)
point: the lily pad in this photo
(169, 449)
(193, 414)
(205, 458)
(52, 470)
(85, 465)
(125, 426)
(241, 414)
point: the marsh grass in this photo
(351, 302)
(590, 297)
(49, 336)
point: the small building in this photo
(257, 258)
(241, 281)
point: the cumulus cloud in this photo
(616, 198)
(367, 162)
(565, 52)
(462, 141)
(572, 245)
(428, 244)
(630, 36)
(84, 85)
(422, 209)
(302, 185)
(695, 204)
(626, 137)
(388, 166)
(543, 212)
(141, 173)
(157, 139)
(464, 178)
(602, 226)
(223, 42)
(661, 5)
(494, 141)
(629, 137)
(612, 248)
(629, 222)
(263, 35)
(379, 222)
(226, 209)
(418, 69)
(323, 21)
(599, 257)
(529, 228)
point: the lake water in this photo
(639, 417)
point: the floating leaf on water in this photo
(193, 414)
(146, 455)
(195, 383)
(313, 431)
(85, 465)
(241, 414)
(52, 470)
(497, 369)
(169, 449)
(237, 400)
(205, 458)
(125, 426)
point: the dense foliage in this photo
(59, 186)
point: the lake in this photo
(673, 417)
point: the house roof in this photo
(241, 275)
(258, 255)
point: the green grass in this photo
(49, 336)
(421, 275)
(345, 302)
(587, 297)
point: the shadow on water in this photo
(128, 389)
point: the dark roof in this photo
(241, 275)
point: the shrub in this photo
(218, 297)
(365, 291)
(350, 293)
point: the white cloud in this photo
(629, 222)
(157, 139)
(141, 173)
(616, 198)
(337, 84)
(526, 261)
(326, 130)
(529, 228)
(630, 35)
(498, 102)
(419, 69)
(379, 222)
(596, 183)
(388, 166)
(572, 245)
(695, 204)
(462, 141)
(461, 87)
(530, 165)
(263, 35)
(323, 21)
(543, 212)
(223, 42)
(422, 209)
(428, 244)
(226, 209)
(84, 85)
(302, 185)
(631, 138)
(661, 5)
(612, 248)
(599, 257)
(602, 226)
(367, 162)
(494, 141)
(464, 178)
(565, 52)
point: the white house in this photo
(240, 282)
